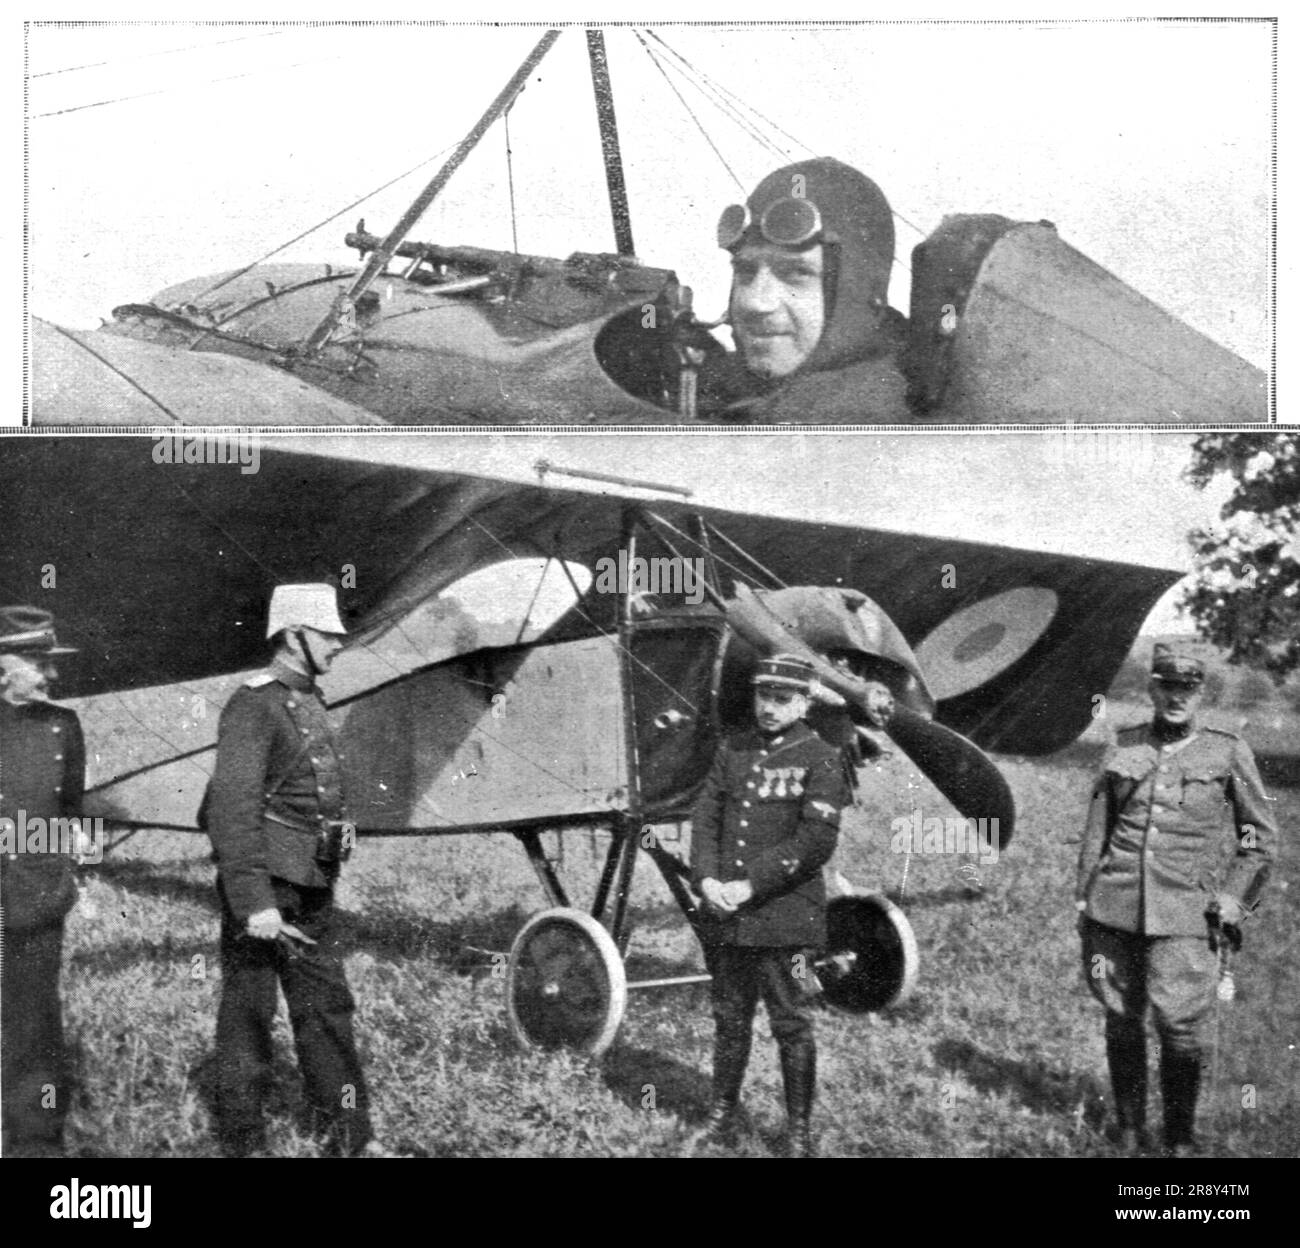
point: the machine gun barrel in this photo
(379, 257)
(480, 259)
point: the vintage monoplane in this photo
(159, 569)
(1008, 324)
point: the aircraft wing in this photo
(161, 571)
(1009, 324)
(537, 347)
(84, 377)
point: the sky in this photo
(159, 153)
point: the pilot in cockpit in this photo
(816, 340)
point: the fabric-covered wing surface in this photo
(163, 570)
(84, 377)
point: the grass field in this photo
(998, 1053)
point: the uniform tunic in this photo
(872, 391)
(1170, 826)
(769, 813)
(275, 791)
(42, 776)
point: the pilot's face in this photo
(778, 310)
(26, 678)
(1175, 704)
(776, 709)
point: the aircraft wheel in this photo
(565, 985)
(872, 961)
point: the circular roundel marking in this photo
(565, 985)
(981, 641)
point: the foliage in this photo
(1253, 691)
(1246, 596)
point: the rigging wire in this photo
(699, 126)
(188, 86)
(187, 754)
(739, 119)
(742, 103)
(113, 368)
(143, 56)
(532, 602)
(618, 644)
(711, 93)
(468, 722)
(1139, 361)
(238, 273)
(180, 755)
(739, 573)
(767, 121)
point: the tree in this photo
(1246, 595)
(1254, 691)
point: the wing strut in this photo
(380, 257)
(609, 142)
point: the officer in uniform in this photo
(275, 814)
(1162, 881)
(766, 821)
(42, 777)
(811, 252)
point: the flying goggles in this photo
(786, 222)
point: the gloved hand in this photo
(265, 924)
(737, 892)
(715, 893)
(268, 925)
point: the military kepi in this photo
(786, 671)
(29, 630)
(1172, 665)
(304, 606)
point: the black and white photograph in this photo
(694, 589)
(476, 729)
(764, 223)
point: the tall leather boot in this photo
(730, 1057)
(1180, 1082)
(1126, 1055)
(799, 1072)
